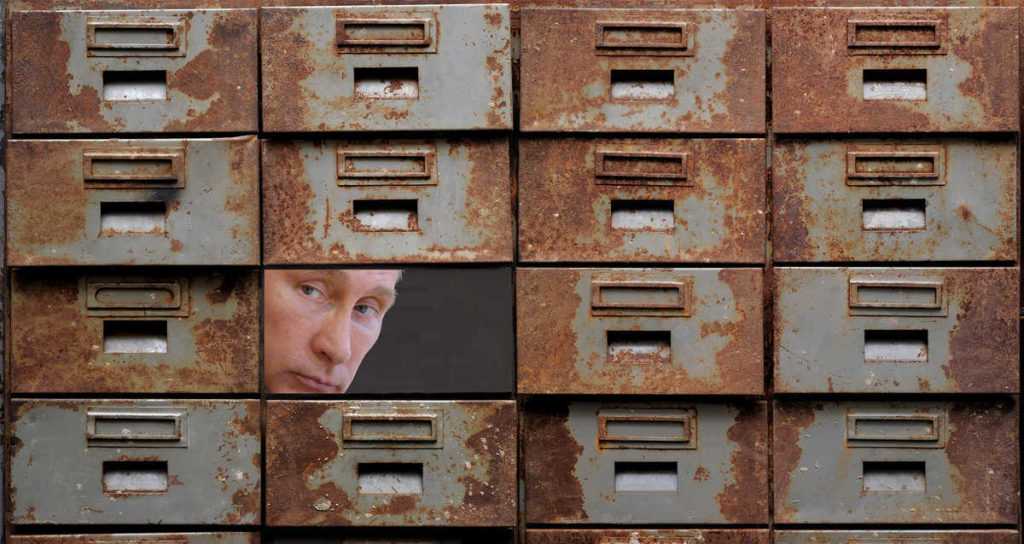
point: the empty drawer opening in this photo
(896, 84)
(643, 84)
(648, 477)
(643, 214)
(896, 346)
(121, 477)
(632, 347)
(387, 83)
(894, 476)
(133, 218)
(390, 478)
(140, 85)
(135, 336)
(901, 214)
(386, 215)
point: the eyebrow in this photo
(384, 292)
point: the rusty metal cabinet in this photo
(896, 461)
(133, 71)
(138, 538)
(134, 330)
(133, 202)
(946, 198)
(642, 200)
(379, 68)
(362, 200)
(897, 537)
(949, 69)
(640, 331)
(130, 462)
(391, 463)
(646, 536)
(896, 330)
(643, 70)
(645, 462)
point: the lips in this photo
(316, 385)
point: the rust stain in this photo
(983, 344)
(545, 308)
(287, 235)
(791, 418)
(701, 474)
(739, 502)
(492, 501)
(285, 55)
(550, 453)
(988, 490)
(42, 214)
(647, 536)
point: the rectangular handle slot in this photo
(894, 476)
(894, 36)
(639, 38)
(895, 84)
(895, 346)
(676, 537)
(134, 427)
(384, 32)
(640, 298)
(641, 168)
(894, 214)
(894, 430)
(390, 478)
(387, 83)
(134, 38)
(134, 169)
(358, 168)
(133, 218)
(133, 296)
(643, 84)
(869, 296)
(639, 347)
(387, 428)
(647, 431)
(643, 215)
(884, 168)
(646, 477)
(386, 215)
(134, 337)
(134, 477)
(135, 85)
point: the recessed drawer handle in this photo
(894, 430)
(895, 295)
(386, 167)
(895, 168)
(384, 32)
(641, 168)
(648, 430)
(133, 36)
(683, 537)
(134, 169)
(130, 426)
(618, 298)
(390, 428)
(925, 35)
(646, 36)
(133, 296)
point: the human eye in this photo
(367, 309)
(312, 291)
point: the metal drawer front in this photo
(629, 463)
(386, 68)
(106, 462)
(133, 202)
(896, 461)
(152, 538)
(134, 71)
(656, 70)
(896, 330)
(646, 536)
(391, 463)
(897, 537)
(666, 200)
(395, 201)
(640, 331)
(134, 331)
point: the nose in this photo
(333, 341)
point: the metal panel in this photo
(897, 537)
(941, 199)
(392, 535)
(895, 69)
(655, 70)
(570, 342)
(394, 201)
(133, 202)
(66, 325)
(577, 196)
(404, 68)
(647, 536)
(60, 476)
(466, 464)
(150, 538)
(829, 338)
(719, 454)
(147, 71)
(966, 473)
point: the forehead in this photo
(348, 279)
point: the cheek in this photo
(363, 339)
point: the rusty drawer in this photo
(904, 462)
(889, 330)
(646, 536)
(133, 71)
(942, 199)
(107, 462)
(897, 537)
(664, 200)
(952, 69)
(133, 202)
(427, 67)
(150, 538)
(134, 331)
(433, 535)
(655, 70)
(640, 331)
(391, 463)
(624, 463)
(398, 200)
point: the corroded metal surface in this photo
(61, 77)
(654, 70)
(935, 199)
(199, 200)
(455, 197)
(897, 537)
(711, 343)
(149, 538)
(925, 461)
(893, 3)
(31, 5)
(64, 328)
(317, 459)
(392, 535)
(64, 455)
(828, 338)
(963, 61)
(646, 536)
(719, 454)
(457, 77)
(712, 196)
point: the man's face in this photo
(319, 324)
